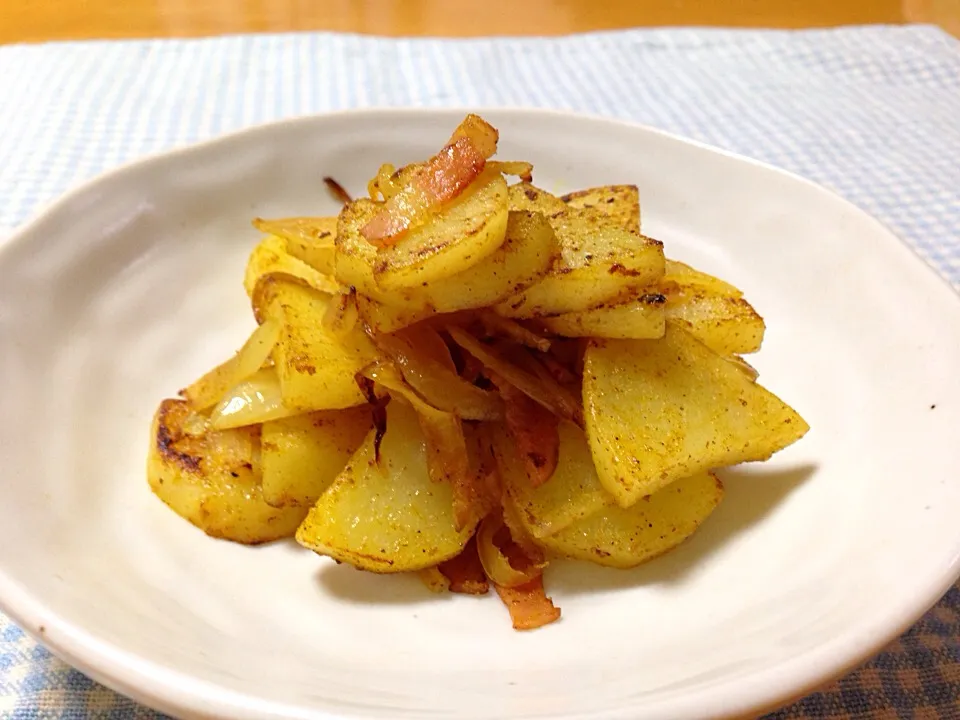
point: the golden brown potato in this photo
(526, 197)
(639, 318)
(301, 455)
(626, 537)
(384, 318)
(310, 239)
(388, 516)
(526, 255)
(213, 480)
(688, 277)
(316, 369)
(355, 258)
(727, 325)
(572, 493)
(660, 410)
(466, 231)
(619, 203)
(598, 262)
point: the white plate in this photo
(130, 287)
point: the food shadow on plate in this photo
(345, 582)
(750, 496)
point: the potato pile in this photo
(466, 377)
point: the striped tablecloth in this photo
(873, 113)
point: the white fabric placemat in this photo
(871, 112)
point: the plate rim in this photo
(181, 694)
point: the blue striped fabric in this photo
(872, 112)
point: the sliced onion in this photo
(573, 406)
(428, 342)
(275, 262)
(448, 458)
(482, 134)
(436, 380)
(494, 542)
(337, 190)
(535, 432)
(511, 518)
(315, 230)
(384, 186)
(341, 316)
(555, 398)
(512, 330)
(522, 170)
(255, 400)
(208, 390)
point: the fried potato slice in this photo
(624, 538)
(213, 480)
(727, 325)
(640, 318)
(316, 369)
(689, 277)
(527, 197)
(384, 318)
(355, 258)
(387, 516)
(302, 455)
(466, 231)
(572, 493)
(528, 251)
(660, 410)
(598, 262)
(619, 203)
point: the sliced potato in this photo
(598, 262)
(660, 410)
(727, 325)
(302, 455)
(526, 197)
(466, 231)
(271, 259)
(355, 259)
(688, 277)
(526, 255)
(387, 516)
(316, 369)
(625, 538)
(310, 239)
(572, 493)
(619, 203)
(640, 318)
(213, 480)
(383, 318)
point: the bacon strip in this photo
(529, 605)
(442, 178)
(465, 572)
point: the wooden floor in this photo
(40, 20)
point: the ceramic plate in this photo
(130, 287)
